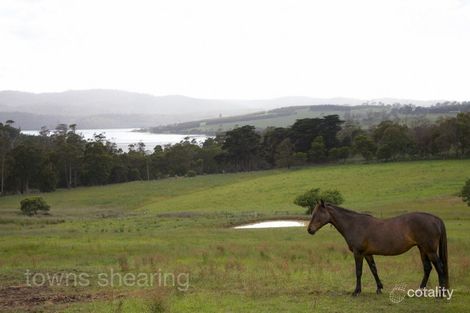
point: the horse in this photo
(367, 236)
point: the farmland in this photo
(183, 226)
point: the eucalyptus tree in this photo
(8, 138)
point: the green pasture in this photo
(184, 226)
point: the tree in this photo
(181, 157)
(69, 147)
(311, 197)
(158, 163)
(378, 131)
(208, 153)
(28, 159)
(300, 158)
(365, 147)
(341, 153)
(423, 137)
(349, 132)
(303, 132)
(285, 154)
(8, 137)
(445, 139)
(137, 162)
(463, 132)
(317, 152)
(330, 126)
(384, 152)
(465, 192)
(242, 145)
(47, 179)
(272, 138)
(97, 161)
(393, 140)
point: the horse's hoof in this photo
(355, 293)
(379, 291)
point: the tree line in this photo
(62, 158)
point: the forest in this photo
(62, 158)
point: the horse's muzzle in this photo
(311, 231)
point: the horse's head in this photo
(320, 217)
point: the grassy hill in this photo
(366, 115)
(182, 225)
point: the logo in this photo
(398, 293)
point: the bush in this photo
(300, 158)
(341, 153)
(311, 197)
(191, 173)
(33, 205)
(465, 193)
(332, 196)
(384, 152)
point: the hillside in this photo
(364, 114)
(267, 191)
(182, 225)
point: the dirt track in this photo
(31, 298)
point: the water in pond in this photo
(273, 224)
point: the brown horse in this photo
(367, 235)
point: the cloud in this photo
(242, 49)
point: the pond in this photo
(273, 224)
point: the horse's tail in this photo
(443, 253)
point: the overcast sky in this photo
(239, 49)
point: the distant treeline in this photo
(62, 158)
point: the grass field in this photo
(182, 227)
(285, 117)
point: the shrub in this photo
(311, 197)
(465, 193)
(33, 205)
(332, 196)
(384, 152)
(300, 158)
(157, 306)
(191, 173)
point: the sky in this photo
(239, 49)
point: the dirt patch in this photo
(14, 297)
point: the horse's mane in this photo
(347, 211)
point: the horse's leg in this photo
(427, 267)
(436, 261)
(359, 259)
(373, 269)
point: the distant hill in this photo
(96, 102)
(30, 121)
(104, 108)
(364, 114)
(107, 109)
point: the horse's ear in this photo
(322, 203)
